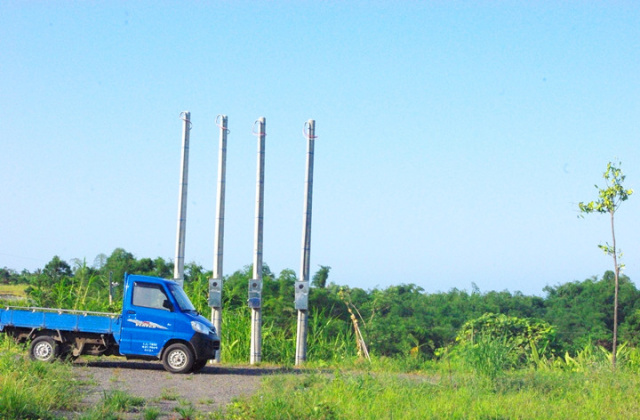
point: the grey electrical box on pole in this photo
(255, 284)
(178, 268)
(215, 283)
(302, 286)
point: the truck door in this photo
(149, 320)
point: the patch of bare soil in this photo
(208, 390)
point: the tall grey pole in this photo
(255, 284)
(178, 267)
(215, 284)
(302, 286)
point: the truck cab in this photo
(160, 322)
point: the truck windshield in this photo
(181, 297)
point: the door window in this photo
(150, 296)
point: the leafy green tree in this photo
(99, 261)
(51, 285)
(277, 299)
(119, 262)
(328, 301)
(396, 320)
(609, 199)
(145, 266)
(193, 271)
(320, 277)
(56, 269)
(9, 276)
(235, 288)
(163, 269)
(579, 310)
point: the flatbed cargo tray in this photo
(59, 319)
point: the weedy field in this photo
(460, 385)
(424, 395)
(493, 355)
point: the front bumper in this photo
(205, 345)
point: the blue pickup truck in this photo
(158, 322)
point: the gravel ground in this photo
(210, 389)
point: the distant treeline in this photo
(398, 320)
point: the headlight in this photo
(199, 327)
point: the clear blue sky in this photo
(455, 140)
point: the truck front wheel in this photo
(44, 349)
(198, 365)
(178, 358)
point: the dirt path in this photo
(211, 388)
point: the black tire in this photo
(178, 358)
(198, 365)
(44, 349)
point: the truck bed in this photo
(59, 319)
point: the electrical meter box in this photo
(215, 293)
(255, 293)
(302, 295)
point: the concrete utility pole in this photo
(178, 268)
(255, 284)
(215, 284)
(302, 286)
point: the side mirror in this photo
(167, 305)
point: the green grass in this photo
(169, 394)
(517, 394)
(30, 390)
(151, 413)
(36, 390)
(186, 411)
(113, 404)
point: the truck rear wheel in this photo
(178, 358)
(44, 349)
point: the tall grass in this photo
(328, 340)
(489, 357)
(235, 336)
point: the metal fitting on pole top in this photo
(220, 121)
(260, 122)
(308, 130)
(186, 117)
